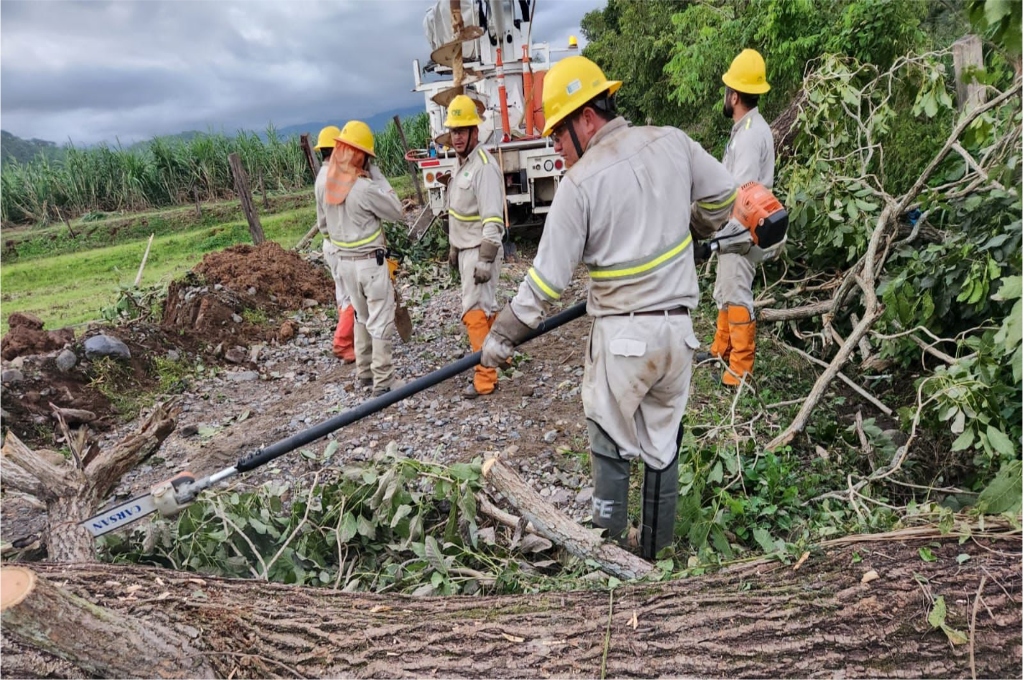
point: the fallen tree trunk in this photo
(759, 619)
(556, 527)
(93, 638)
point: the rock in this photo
(236, 355)
(106, 346)
(18, 362)
(11, 376)
(252, 290)
(550, 436)
(287, 331)
(254, 352)
(66, 360)
(561, 497)
(585, 495)
(236, 318)
(309, 303)
(189, 431)
(244, 376)
(173, 355)
(218, 351)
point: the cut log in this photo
(557, 528)
(99, 641)
(763, 619)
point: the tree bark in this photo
(72, 493)
(762, 619)
(311, 158)
(97, 640)
(556, 527)
(245, 196)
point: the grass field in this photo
(72, 289)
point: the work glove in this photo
(506, 332)
(701, 252)
(453, 257)
(485, 262)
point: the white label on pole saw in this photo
(120, 515)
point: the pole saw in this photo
(173, 495)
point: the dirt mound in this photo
(210, 304)
(279, 274)
(27, 336)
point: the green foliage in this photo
(169, 171)
(14, 148)
(388, 144)
(1003, 494)
(396, 525)
(999, 21)
(671, 55)
(633, 41)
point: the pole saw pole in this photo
(187, 492)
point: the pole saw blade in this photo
(120, 516)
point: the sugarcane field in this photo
(511, 339)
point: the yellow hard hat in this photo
(573, 44)
(462, 113)
(325, 140)
(746, 73)
(358, 135)
(570, 84)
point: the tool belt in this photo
(377, 254)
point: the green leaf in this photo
(1000, 442)
(1003, 493)
(962, 557)
(995, 10)
(764, 539)
(926, 554)
(366, 528)
(855, 558)
(963, 441)
(1010, 289)
(432, 552)
(348, 528)
(613, 583)
(937, 616)
(330, 450)
(716, 473)
(400, 514)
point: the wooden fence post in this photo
(967, 53)
(412, 166)
(245, 195)
(311, 158)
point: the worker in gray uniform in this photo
(749, 157)
(623, 208)
(356, 198)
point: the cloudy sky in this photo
(93, 70)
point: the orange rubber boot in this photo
(344, 346)
(742, 332)
(721, 346)
(477, 326)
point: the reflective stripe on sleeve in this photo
(716, 206)
(483, 155)
(496, 220)
(361, 242)
(549, 291)
(638, 267)
(463, 218)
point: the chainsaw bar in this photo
(121, 515)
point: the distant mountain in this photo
(377, 122)
(24, 150)
(13, 147)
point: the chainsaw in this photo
(173, 495)
(761, 213)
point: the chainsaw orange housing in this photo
(757, 209)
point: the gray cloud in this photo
(92, 71)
